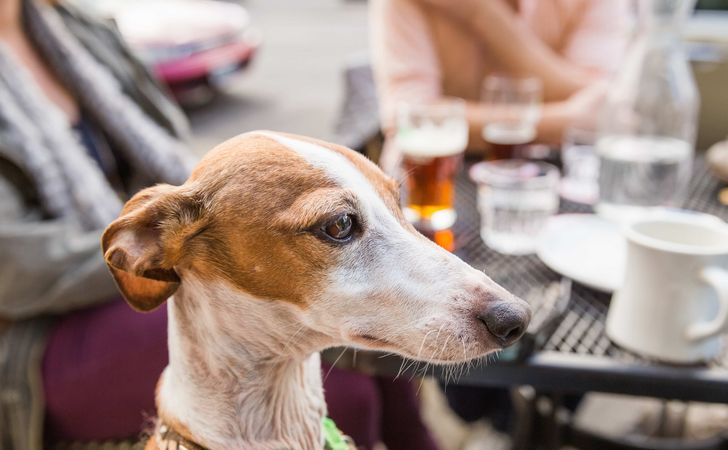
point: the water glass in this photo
(581, 166)
(515, 199)
(639, 173)
(513, 111)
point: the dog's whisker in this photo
(437, 338)
(334, 364)
(415, 370)
(439, 354)
(422, 344)
(416, 364)
(401, 366)
(292, 337)
(422, 378)
(466, 362)
(444, 347)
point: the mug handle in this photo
(718, 279)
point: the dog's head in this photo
(314, 229)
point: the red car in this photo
(192, 45)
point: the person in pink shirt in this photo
(426, 49)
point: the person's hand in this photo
(461, 10)
(584, 107)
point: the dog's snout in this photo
(507, 321)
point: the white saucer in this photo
(585, 248)
(592, 250)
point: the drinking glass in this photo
(513, 110)
(581, 166)
(431, 138)
(515, 199)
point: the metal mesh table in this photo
(576, 355)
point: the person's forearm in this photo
(46, 266)
(45, 270)
(554, 121)
(555, 118)
(521, 53)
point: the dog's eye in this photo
(340, 228)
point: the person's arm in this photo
(517, 49)
(599, 35)
(406, 69)
(404, 59)
(594, 46)
(46, 267)
(579, 109)
(405, 63)
(555, 117)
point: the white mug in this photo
(673, 304)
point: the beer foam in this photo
(509, 134)
(433, 142)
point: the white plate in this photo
(592, 250)
(585, 248)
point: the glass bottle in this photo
(648, 128)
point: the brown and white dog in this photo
(277, 247)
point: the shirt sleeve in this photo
(600, 34)
(406, 67)
(46, 267)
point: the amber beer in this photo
(430, 184)
(506, 139)
(431, 137)
(430, 164)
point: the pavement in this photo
(295, 82)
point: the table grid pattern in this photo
(581, 330)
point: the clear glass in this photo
(431, 138)
(515, 199)
(648, 127)
(581, 166)
(514, 104)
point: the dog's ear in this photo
(145, 243)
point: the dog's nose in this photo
(507, 321)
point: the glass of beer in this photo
(431, 138)
(513, 110)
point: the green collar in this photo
(334, 439)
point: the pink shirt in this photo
(419, 54)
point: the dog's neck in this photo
(242, 373)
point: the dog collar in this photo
(334, 439)
(170, 439)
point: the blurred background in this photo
(289, 73)
(292, 79)
(304, 67)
